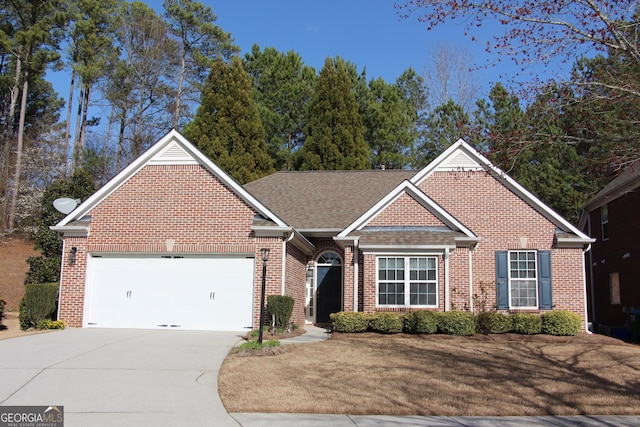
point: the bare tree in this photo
(450, 75)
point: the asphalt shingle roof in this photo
(316, 200)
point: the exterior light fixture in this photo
(265, 258)
(72, 255)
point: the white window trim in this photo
(535, 258)
(407, 281)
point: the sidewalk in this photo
(318, 420)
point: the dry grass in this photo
(14, 267)
(439, 375)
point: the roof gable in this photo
(460, 156)
(171, 149)
(406, 187)
(324, 201)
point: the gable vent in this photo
(173, 154)
(459, 161)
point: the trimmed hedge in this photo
(280, 306)
(40, 302)
(421, 322)
(526, 323)
(462, 323)
(561, 322)
(387, 323)
(492, 322)
(350, 322)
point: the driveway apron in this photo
(122, 377)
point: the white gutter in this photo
(446, 279)
(284, 261)
(355, 275)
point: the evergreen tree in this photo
(387, 126)
(227, 126)
(200, 43)
(283, 87)
(444, 125)
(334, 133)
(45, 268)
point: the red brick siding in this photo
(503, 221)
(405, 211)
(296, 282)
(161, 209)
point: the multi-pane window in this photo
(523, 282)
(604, 221)
(418, 288)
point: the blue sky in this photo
(368, 33)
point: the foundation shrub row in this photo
(461, 323)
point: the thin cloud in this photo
(312, 28)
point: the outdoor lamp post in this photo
(265, 258)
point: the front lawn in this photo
(439, 375)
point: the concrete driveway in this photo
(121, 377)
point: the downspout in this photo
(471, 278)
(591, 281)
(284, 261)
(64, 244)
(584, 281)
(356, 256)
(446, 279)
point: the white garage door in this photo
(170, 293)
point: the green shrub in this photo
(421, 322)
(349, 322)
(460, 323)
(280, 307)
(52, 324)
(386, 323)
(492, 322)
(40, 302)
(561, 322)
(526, 323)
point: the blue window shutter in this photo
(544, 280)
(502, 280)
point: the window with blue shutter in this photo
(544, 280)
(523, 280)
(502, 280)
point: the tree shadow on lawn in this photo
(442, 375)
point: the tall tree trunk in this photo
(120, 142)
(176, 114)
(68, 129)
(6, 165)
(16, 175)
(83, 128)
(76, 139)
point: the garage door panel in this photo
(185, 293)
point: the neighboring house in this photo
(173, 242)
(613, 264)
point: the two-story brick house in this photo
(613, 267)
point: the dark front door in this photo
(329, 292)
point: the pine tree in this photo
(227, 126)
(283, 87)
(334, 133)
(387, 126)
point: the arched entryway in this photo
(328, 293)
